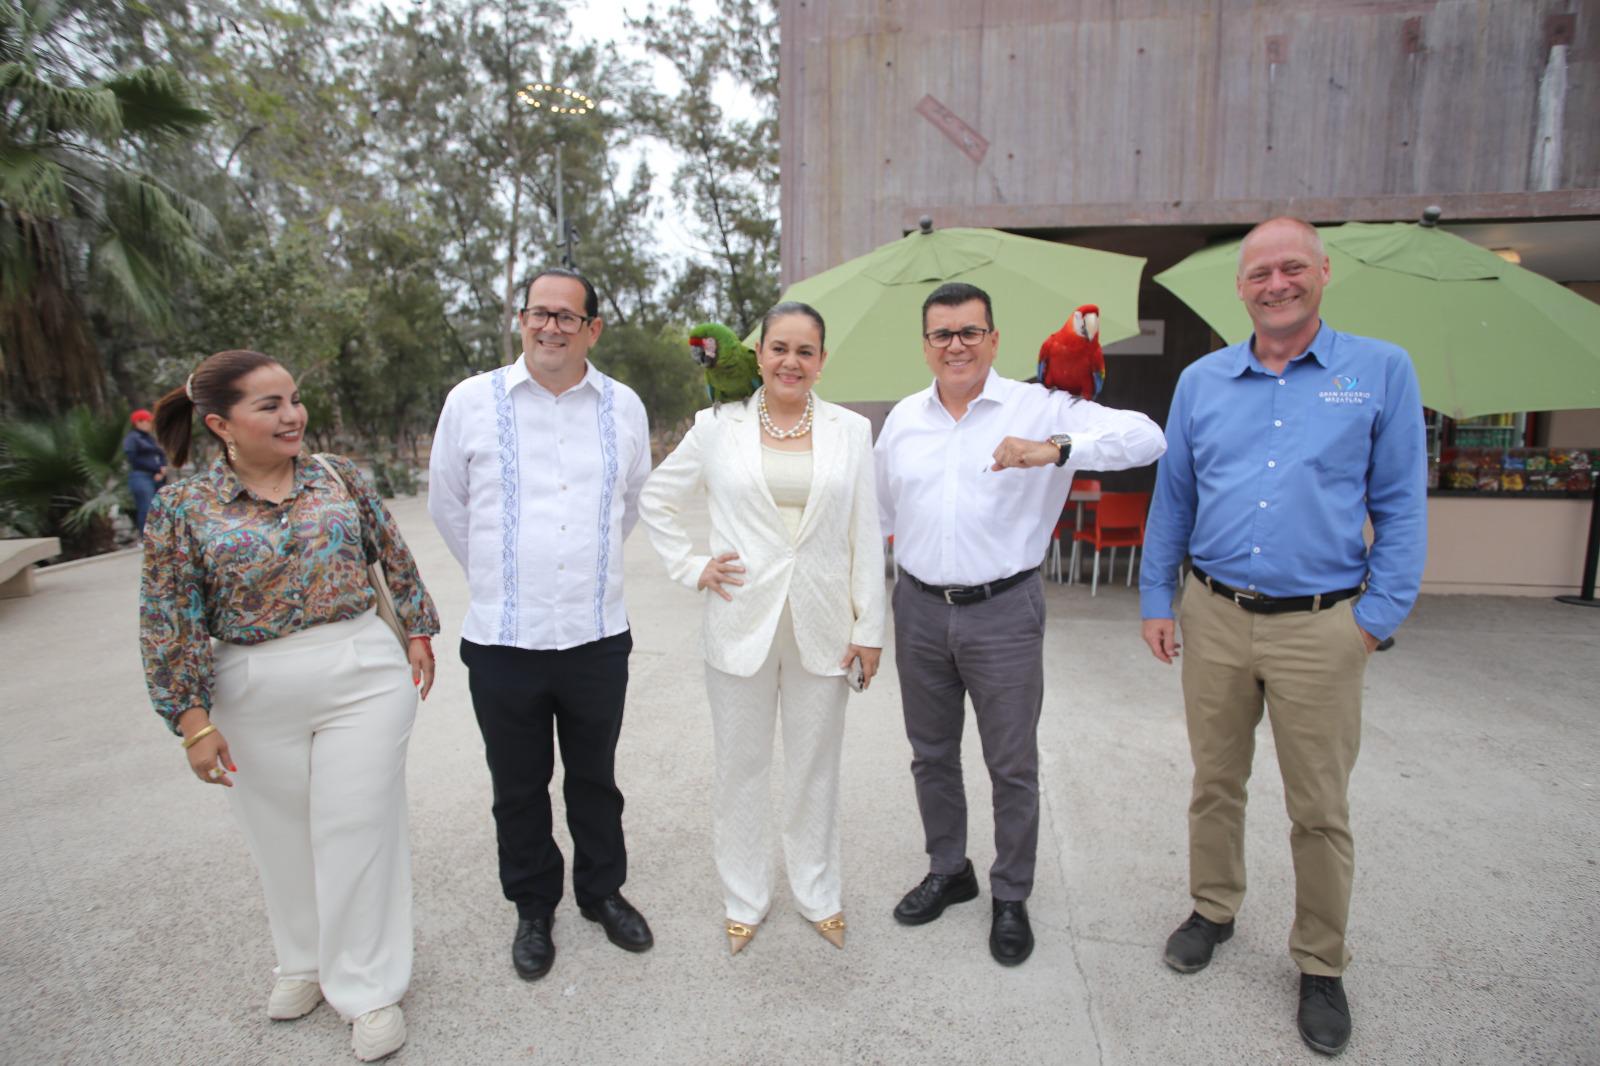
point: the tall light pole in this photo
(564, 101)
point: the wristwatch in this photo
(1064, 442)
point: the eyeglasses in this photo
(566, 321)
(941, 338)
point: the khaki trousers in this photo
(1308, 668)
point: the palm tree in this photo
(80, 221)
(64, 477)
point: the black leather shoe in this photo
(624, 926)
(936, 892)
(1324, 1013)
(1190, 946)
(1010, 934)
(532, 950)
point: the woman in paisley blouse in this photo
(262, 649)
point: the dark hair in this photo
(591, 299)
(212, 389)
(795, 307)
(954, 294)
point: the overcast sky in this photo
(607, 20)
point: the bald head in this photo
(1283, 225)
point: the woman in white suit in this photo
(794, 599)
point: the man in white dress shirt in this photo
(534, 482)
(973, 472)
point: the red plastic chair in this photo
(1079, 511)
(1118, 523)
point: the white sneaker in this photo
(378, 1033)
(292, 999)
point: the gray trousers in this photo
(993, 650)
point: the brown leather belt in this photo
(956, 595)
(1260, 603)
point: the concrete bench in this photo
(16, 563)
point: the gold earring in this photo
(233, 453)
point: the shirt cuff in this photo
(1156, 602)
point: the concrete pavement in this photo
(134, 930)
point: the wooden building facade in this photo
(1039, 115)
(1153, 127)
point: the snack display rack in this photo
(1542, 472)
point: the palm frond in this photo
(155, 100)
(31, 181)
(132, 282)
(45, 106)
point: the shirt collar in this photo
(517, 374)
(1320, 350)
(994, 390)
(307, 474)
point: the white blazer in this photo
(830, 573)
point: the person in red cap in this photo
(147, 465)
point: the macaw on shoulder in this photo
(1071, 359)
(731, 372)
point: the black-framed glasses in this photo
(566, 321)
(941, 338)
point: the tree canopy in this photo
(360, 190)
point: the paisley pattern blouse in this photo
(221, 562)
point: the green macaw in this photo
(731, 372)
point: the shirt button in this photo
(1252, 588)
(563, 488)
(1263, 503)
(563, 529)
(1272, 462)
(1255, 551)
(561, 566)
(1282, 382)
(1277, 423)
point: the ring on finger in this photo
(214, 773)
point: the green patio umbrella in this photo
(1486, 336)
(873, 303)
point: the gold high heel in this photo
(832, 929)
(739, 935)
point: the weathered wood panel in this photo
(1191, 111)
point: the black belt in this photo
(1261, 603)
(956, 595)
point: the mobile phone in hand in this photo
(856, 675)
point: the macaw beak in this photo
(1091, 325)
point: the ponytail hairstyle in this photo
(212, 389)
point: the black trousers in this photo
(518, 695)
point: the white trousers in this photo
(318, 724)
(744, 711)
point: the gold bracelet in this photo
(189, 741)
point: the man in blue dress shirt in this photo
(1279, 449)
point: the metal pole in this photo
(561, 212)
(1591, 555)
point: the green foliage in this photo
(656, 365)
(64, 477)
(82, 223)
(393, 476)
(729, 172)
(356, 189)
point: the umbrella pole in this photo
(1591, 557)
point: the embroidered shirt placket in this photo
(510, 505)
(608, 453)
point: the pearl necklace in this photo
(801, 428)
